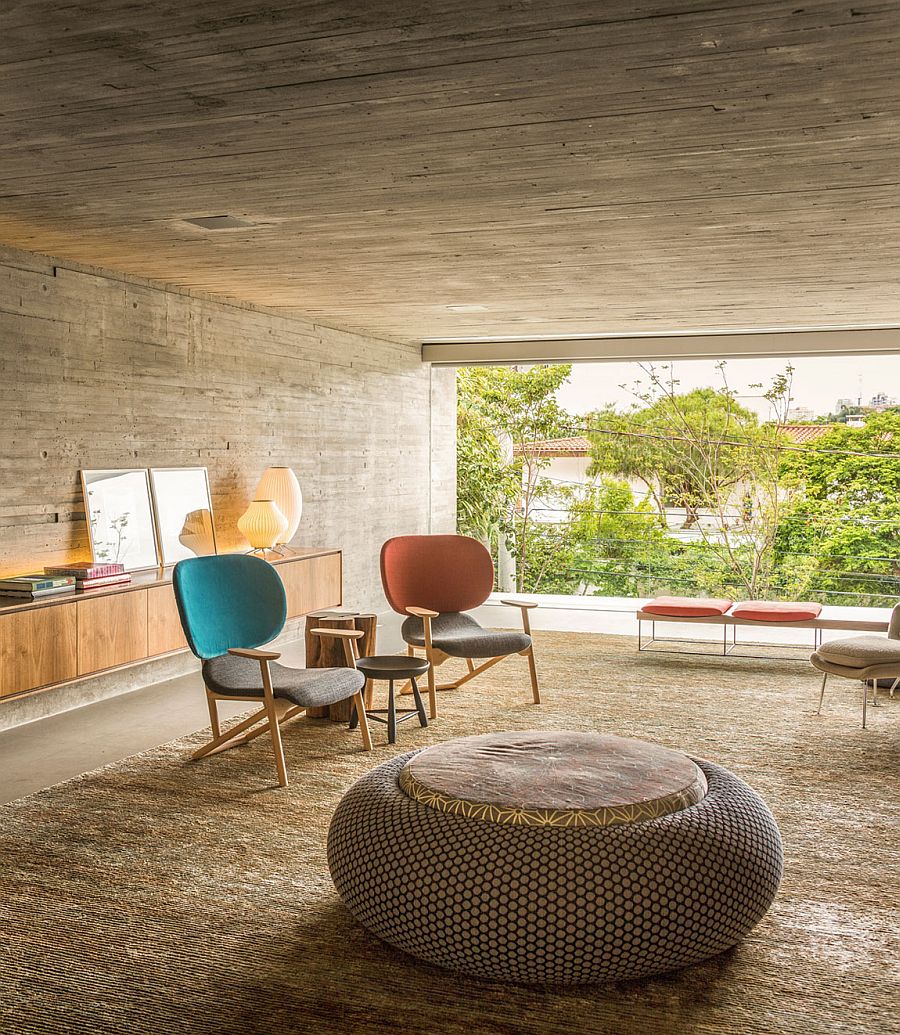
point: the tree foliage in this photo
(841, 535)
(672, 444)
(762, 518)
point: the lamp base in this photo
(280, 549)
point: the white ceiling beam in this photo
(820, 341)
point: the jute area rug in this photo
(157, 896)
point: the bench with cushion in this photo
(759, 613)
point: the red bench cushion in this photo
(687, 607)
(776, 610)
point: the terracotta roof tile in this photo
(578, 446)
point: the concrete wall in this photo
(100, 370)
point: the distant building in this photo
(801, 413)
(880, 401)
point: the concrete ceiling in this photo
(564, 167)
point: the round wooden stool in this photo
(392, 668)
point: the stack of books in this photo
(90, 576)
(35, 587)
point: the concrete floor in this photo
(50, 750)
(46, 752)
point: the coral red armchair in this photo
(434, 580)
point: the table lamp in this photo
(280, 485)
(262, 524)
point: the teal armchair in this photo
(230, 606)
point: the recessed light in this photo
(218, 222)
(467, 308)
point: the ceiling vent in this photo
(218, 222)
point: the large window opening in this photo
(751, 478)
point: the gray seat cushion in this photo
(861, 651)
(307, 687)
(460, 636)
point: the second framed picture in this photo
(184, 515)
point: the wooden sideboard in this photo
(74, 635)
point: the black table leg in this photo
(392, 714)
(354, 718)
(420, 708)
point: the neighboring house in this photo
(568, 459)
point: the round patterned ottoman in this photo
(554, 857)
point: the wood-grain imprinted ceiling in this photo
(563, 166)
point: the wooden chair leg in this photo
(213, 715)
(277, 747)
(272, 712)
(230, 737)
(363, 720)
(532, 669)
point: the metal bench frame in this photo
(817, 625)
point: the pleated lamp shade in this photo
(280, 485)
(262, 524)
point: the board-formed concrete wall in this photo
(101, 370)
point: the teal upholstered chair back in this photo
(226, 601)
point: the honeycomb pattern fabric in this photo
(549, 904)
(460, 636)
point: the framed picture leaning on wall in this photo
(119, 517)
(184, 517)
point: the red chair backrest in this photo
(440, 572)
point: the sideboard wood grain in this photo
(37, 648)
(111, 631)
(313, 585)
(164, 632)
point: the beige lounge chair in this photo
(869, 657)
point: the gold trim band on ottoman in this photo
(557, 779)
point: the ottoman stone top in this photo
(553, 778)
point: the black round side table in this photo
(393, 667)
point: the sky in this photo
(818, 381)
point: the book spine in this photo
(36, 585)
(105, 580)
(91, 571)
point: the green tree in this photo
(840, 538)
(702, 450)
(499, 408)
(672, 444)
(486, 480)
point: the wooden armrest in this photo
(256, 655)
(422, 612)
(343, 634)
(519, 603)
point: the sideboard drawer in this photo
(37, 647)
(164, 631)
(311, 584)
(112, 630)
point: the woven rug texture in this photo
(157, 895)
